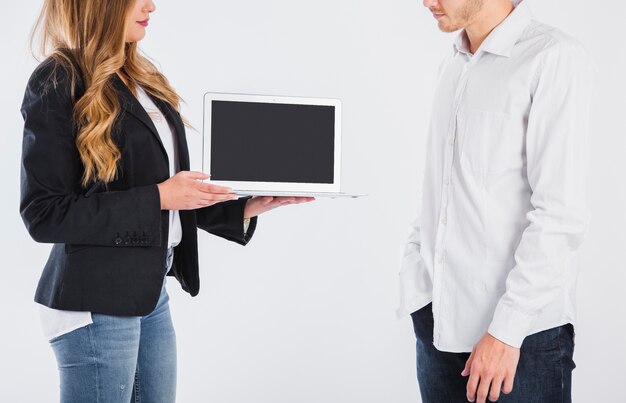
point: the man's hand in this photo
(262, 204)
(490, 364)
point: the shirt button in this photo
(444, 220)
(447, 182)
(451, 141)
(440, 260)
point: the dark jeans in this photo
(544, 372)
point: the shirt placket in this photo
(439, 265)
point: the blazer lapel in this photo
(179, 132)
(130, 104)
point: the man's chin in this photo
(448, 27)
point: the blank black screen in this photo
(262, 142)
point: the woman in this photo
(105, 177)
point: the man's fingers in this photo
(494, 391)
(483, 389)
(472, 384)
(508, 384)
(468, 365)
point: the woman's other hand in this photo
(261, 204)
(186, 191)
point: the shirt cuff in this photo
(246, 225)
(510, 326)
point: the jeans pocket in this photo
(572, 333)
(66, 335)
(423, 322)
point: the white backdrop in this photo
(305, 313)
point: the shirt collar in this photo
(504, 37)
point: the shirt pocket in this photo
(492, 142)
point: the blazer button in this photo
(127, 240)
(118, 240)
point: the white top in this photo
(56, 322)
(168, 138)
(503, 206)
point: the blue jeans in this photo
(544, 372)
(120, 358)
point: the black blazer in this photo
(109, 240)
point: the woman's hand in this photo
(185, 191)
(261, 204)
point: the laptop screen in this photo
(272, 142)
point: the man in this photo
(493, 257)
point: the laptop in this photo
(260, 145)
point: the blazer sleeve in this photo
(53, 206)
(226, 221)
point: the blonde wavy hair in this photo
(88, 38)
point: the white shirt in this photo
(503, 205)
(56, 322)
(167, 135)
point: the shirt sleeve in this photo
(415, 281)
(556, 152)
